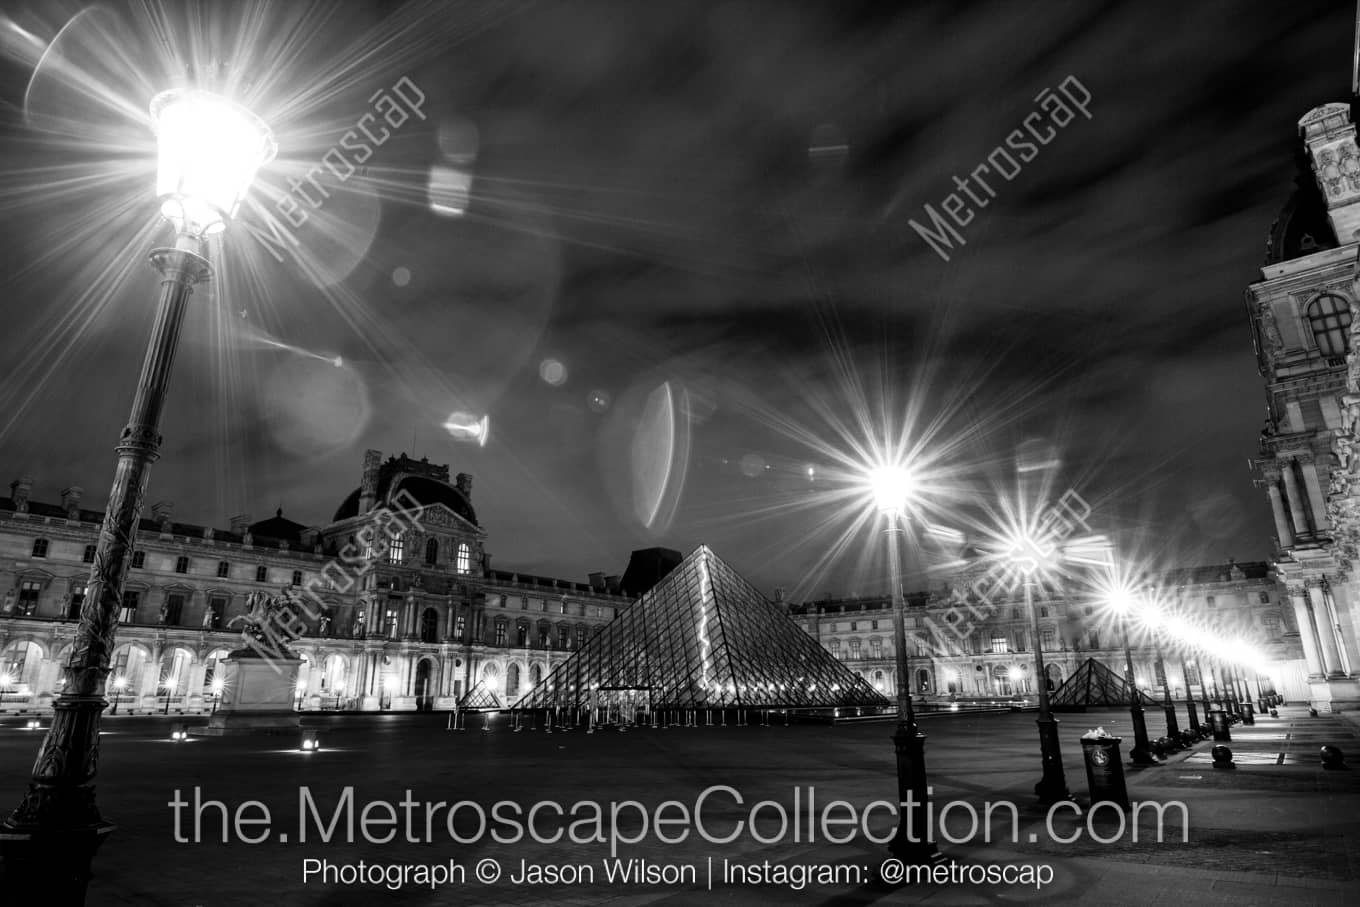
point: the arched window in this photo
(396, 549)
(464, 563)
(512, 682)
(432, 552)
(536, 674)
(429, 626)
(1329, 316)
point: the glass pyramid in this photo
(702, 638)
(1093, 684)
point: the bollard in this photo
(1222, 757)
(1312, 712)
(1274, 713)
(1333, 759)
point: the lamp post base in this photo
(913, 842)
(49, 867)
(1141, 754)
(1173, 726)
(1052, 787)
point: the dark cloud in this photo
(719, 195)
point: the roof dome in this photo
(1302, 227)
(418, 479)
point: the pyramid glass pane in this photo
(703, 638)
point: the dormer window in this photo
(464, 561)
(1329, 317)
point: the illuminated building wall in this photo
(427, 624)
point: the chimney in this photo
(368, 488)
(779, 595)
(161, 512)
(18, 493)
(611, 584)
(597, 582)
(240, 523)
(70, 501)
(1329, 135)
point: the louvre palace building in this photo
(426, 625)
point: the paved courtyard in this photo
(1278, 829)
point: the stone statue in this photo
(9, 603)
(1341, 448)
(1270, 331)
(1350, 415)
(324, 625)
(356, 629)
(165, 613)
(207, 618)
(264, 623)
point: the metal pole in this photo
(1189, 696)
(1052, 787)
(1141, 754)
(50, 838)
(913, 841)
(1173, 728)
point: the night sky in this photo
(713, 197)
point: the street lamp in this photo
(119, 685)
(218, 685)
(892, 488)
(1155, 619)
(209, 151)
(1029, 557)
(1124, 601)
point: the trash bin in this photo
(1218, 720)
(1105, 770)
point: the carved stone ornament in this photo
(1270, 331)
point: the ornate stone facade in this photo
(1304, 314)
(992, 658)
(417, 624)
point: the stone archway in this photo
(424, 688)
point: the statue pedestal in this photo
(257, 697)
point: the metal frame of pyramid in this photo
(479, 697)
(1093, 683)
(703, 638)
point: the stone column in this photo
(1277, 508)
(1308, 466)
(1303, 616)
(1326, 630)
(1296, 508)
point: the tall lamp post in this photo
(1155, 619)
(1141, 754)
(1052, 787)
(209, 152)
(892, 489)
(1189, 696)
